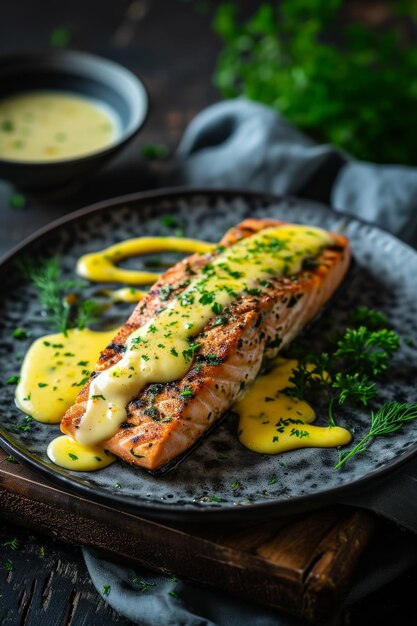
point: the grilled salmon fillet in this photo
(163, 422)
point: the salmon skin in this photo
(163, 422)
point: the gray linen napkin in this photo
(242, 144)
(238, 143)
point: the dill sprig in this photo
(59, 297)
(88, 312)
(388, 419)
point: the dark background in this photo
(171, 46)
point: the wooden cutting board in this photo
(301, 565)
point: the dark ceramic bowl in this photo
(80, 73)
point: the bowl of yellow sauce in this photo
(63, 115)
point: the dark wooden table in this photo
(171, 46)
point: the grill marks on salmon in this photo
(165, 420)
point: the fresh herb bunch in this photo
(360, 95)
(60, 298)
(348, 372)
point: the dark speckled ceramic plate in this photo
(200, 488)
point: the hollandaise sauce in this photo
(271, 422)
(161, 351)
(66, 452)
(55, 369)
(54, 125)
(101, 266)
(124, 294)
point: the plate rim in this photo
(192, 512)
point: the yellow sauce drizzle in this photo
(53, 370)
(101, 266)
(66, 452)
(159, 351)
(54, 125)
(125, 294)
(271, 422)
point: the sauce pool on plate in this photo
(271, 422)
(54, 125)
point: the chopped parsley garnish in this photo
(169, 221)
(138, 340)
(212, 359)
(106, 590)
(7, 126)
(60, 37)
(157, 152)
(14, 543)
(165, 292)
(220, 321)
(98, 396)
(295, 432)
(142, 585)
(83, 382)
(17, 201)
(20, 334)
(189, 353)
(187, 392)
(72, 456)
(187, 298)
(207, 298)
(13, 380)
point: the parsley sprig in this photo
(285, 55)
(348, 374)
(60, 298)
